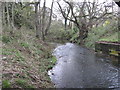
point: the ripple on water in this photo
(77, 67)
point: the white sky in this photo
(49, 2)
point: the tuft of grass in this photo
(38, 52)
(23, 83)
(8, 51)
(52, 60)
(19, 56)
(6, 84)
(6, 39)
(24, 44)
(113, 38)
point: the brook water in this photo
(78, 67)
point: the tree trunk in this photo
(8, 16)
(50, 18)
(65, 24)
(81, 36)
(83, 33)
(40, 20)
(12, 22)
(43, 20)
(3, 14)
(1, 69)
(119, 25)
(36, 21)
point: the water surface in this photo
(78, 67)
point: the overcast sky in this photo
(49, 2)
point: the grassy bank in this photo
(26, 60)
(108, 32)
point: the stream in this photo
(78, 67)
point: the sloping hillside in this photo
(25, 59)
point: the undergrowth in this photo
(26, 60)
(108, 32)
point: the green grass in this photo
(102, 33)
(29, 55)
(24, 44)
(38, 52)
(6, 39)
(17, 53)
(8, 51)
(113, 38)
(53, 59)
(19, 56)
(23, 83)
(6, 84)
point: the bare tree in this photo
(42, 25)
(8, 15)
(36, 20)
(3, 14)
(43, 20)
(12, 20)
(50, 18)
(85, 15)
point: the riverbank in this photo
(26, 60)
